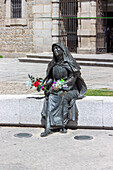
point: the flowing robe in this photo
(56, 104)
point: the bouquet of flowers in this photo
(36, 82)
(39, 84)
(59, 84)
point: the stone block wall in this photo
(55, 21)
(42, 26)
(34, 35)
(86, 27)
(38, 29)
(16, 39)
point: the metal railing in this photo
(68, 23)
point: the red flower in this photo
(36, 83)
(38, 80)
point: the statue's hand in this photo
(47, 93)
(51, 90)
(56, 89)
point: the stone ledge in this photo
(86, 51)
(26, 109)
(13, 22)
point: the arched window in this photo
(16, 8)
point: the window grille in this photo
(68, 23)
(16, 8)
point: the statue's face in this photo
(58, 53)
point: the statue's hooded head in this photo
(60, 52)
(69, 63)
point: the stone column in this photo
(42, 26)
(86, 27)
(55, 21)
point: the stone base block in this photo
(26, 110)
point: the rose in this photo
(38, 80)
(36, 83)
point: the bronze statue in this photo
(56, 107)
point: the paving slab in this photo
(57, 151)
(14, 74)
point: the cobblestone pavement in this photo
(14, 74)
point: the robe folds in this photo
(57, 103)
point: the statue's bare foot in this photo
(63, 130)
(45, 133)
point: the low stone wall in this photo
(26, 109)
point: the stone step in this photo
(94, 59)
(35, 60)
(81, 62)
(40, 55)
(95, 63)
(76, 56)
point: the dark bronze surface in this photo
(60, 104)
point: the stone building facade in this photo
(39, 26)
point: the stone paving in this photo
(57, 151)
(14, 74)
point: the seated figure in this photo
(55, 111)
